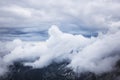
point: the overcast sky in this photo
(74, 14)
(30, 19)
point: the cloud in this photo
(3, 67)
(95, 54)
(84, 14)
(100, 56)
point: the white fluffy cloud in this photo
(95, 54)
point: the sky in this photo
(67, 14)
(41, 32)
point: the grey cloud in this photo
(89, 14)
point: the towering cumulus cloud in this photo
(95, 54)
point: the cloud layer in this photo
(79, 14)
(95, 54)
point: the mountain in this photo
(56, 71)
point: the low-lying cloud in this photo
(96, 54)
